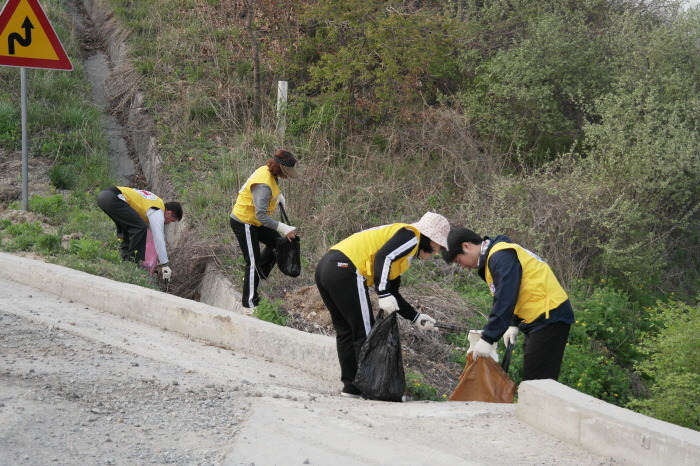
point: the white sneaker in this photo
(350, 395)
(249, 311)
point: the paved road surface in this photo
(81, 386)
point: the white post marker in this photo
(281, 107)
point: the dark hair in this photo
(455, 238)
(175, 208)
(424, 243)
(274, 168)
(280, 157)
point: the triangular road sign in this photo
(27, 38)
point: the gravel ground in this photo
(68, 400)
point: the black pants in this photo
(544, 350)
(258, 265)
(346, 297)
(131, 229)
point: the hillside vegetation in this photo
(571, 126)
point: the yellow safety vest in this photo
(361, 248)
(244, 208)
(540, 291)
(141, 200)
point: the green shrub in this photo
(607, 316)
(418, 390)
(50, 206)
(63, 176)
(672, 364)
(603, 342)
(48, 244)
(271, 312)
(22, 236)
(591, 370)
(10, 131)
(86, 249)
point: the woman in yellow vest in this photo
(252, 223)
(134, 211)
(375, 257)
(527, 297)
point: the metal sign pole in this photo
(25, 157)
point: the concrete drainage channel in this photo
(132, 142)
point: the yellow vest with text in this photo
(141, 200)
(361, 248)
(540, 291)
(244, 208)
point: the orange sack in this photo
(484, 380)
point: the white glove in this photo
(284, 229)
(424, 322)
(388, 303)
(281, 200)
(165, 272)
(511, 335)
(484, 349)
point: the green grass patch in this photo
(418, 390)
(271, 311)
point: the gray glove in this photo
(165, 272)
(424, 322)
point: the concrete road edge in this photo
(294, 348)
(603, 428)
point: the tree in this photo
(378, 59)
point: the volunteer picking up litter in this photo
(526, 298)
(252, 223)
(134, 211)
(374, 257)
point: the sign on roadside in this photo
(27, 38)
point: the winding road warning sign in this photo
(27, 38)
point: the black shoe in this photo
(351, 391)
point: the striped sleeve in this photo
(400, 245)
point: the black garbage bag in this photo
(288, 256)
(288, 252)
(380, 374)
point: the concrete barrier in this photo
(294, 348)
(605, 429)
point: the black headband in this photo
(286, 163)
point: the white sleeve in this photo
(156, 220)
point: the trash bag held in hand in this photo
(380, 373)
(288, 256)
(288, 252)
(483, 379)
(150, 262)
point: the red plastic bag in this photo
(484, 380)
(150, 263)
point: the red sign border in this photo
(63, 62)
